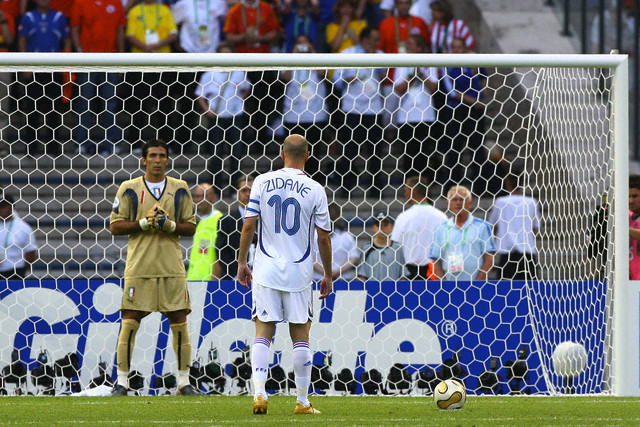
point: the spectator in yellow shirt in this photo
(344, 32)
(150, 27)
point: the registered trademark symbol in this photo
(448, 328)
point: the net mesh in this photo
(70, 139)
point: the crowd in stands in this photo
(438, 111)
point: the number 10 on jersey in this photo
(283, 211)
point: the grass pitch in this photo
(350, 410)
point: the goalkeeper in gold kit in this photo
(154, 210)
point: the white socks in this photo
(260, 365)
(302, 370)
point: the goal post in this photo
(625, 294)
(548, 117)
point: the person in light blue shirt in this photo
(463, 246)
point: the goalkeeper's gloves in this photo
(157, 218)
(144, 224)
(163, 223)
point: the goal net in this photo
(548, 132)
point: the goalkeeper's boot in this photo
(188, 390)
(119, 390)
(260, 405)
(309, 409)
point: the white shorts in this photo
(273, 305)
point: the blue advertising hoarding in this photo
(365, 325)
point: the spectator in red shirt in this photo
(98, 27)
(395, 29)
(252, 26)
(10, 6)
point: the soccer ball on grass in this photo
(450, 394)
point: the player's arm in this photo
(120, 228)
(248, 230)
(634, 233)
(324, 247)
(438, 270)
(317, 266)
(185, 229)
(486, 266)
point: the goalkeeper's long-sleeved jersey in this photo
(153, 253)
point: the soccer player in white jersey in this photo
(288, 205)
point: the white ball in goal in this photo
(569, 359)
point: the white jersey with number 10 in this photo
(290, 206)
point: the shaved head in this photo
(295, 146)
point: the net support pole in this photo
(626, 323)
